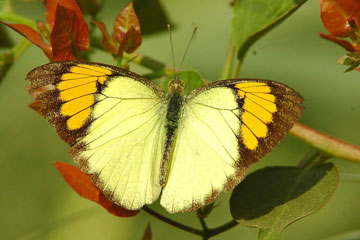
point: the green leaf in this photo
(192, 80)
(274, 197)
(253, 18)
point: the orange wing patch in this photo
(77, 88)
(258, 109)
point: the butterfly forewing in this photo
(226, 126)
(114, 121)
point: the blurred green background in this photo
(36, 203)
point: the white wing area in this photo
(125, 142)
(205, 152)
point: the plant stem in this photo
(172, 222)
(309, 157)
(237, 69)
(203, 224)
(348, 177)
(222, 228)
(15, 18)
(41, 232)
(229, 61)
(335, 147)
(206, 233)
(20, 48)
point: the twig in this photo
(335, 147)
(237, 69)
(309, 157)
(15, 18)
(172, 222)
(222, 228)
(20, 48)
(229, 61)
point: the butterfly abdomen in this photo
(173, 114)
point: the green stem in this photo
(8, 58)
(222, 228)
(20, 48)
(15, 18)
(203, 224)
(335, 147)
(229, 62)
(41, 232)
(309, 157)
(348, 177)
(236, 72)
(172, 222)
(206, 233)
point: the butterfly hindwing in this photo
(114, 122)
(225, 126)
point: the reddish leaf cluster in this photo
(66, 32)
(81, 183)
(126, 36)
(342, 20)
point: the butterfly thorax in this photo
(174, 111)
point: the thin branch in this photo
(15, 18)
(20, 48)
(222, 228)
(335, 147)
(172, 222)
(309, 157)
(203, 224)
(40, 232)
(229, 62)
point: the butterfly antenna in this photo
(172, 49)
(187, 48)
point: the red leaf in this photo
(343, 43)
(148, 233)
(69, 34)
(108, 42)
(33, 36)
(130, 42)
(81, 183)
(124, 21)
(335, 15)
(51, 6)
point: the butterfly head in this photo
(176, 85)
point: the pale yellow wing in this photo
(114, 122)
(225, 126)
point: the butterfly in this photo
(140, 143)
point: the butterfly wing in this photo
(225, 126)
(113, 120)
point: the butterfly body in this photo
(174, 111)
(139, 143)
